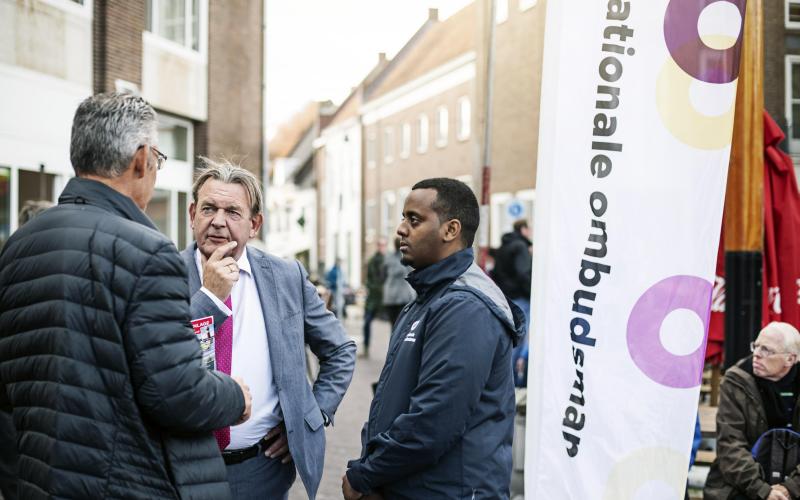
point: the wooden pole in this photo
(744, 196)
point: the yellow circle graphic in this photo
(647, 464)
(682, 120)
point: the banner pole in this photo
(744, 196)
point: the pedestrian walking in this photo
(396, 290)
(97, 360)
(441, 422)
(374, 285)
(512, 273)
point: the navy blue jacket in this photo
(441, 422)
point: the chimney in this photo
(433, 14)
(381, 57)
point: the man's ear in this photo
(451, 230)
(138, 164)
(255, 224)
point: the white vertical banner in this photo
(636, 122)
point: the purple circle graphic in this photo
(644, 326)
(687, 48)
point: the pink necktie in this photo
(223, 351)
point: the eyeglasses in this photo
(160, 157)
(763, 350)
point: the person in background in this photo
(442, 420)
(396, 290)
(374, 284)
(759, 393)
(265, 311)
(31, 209)
(98, 362)
(335, 281)
(512, 273)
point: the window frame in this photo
(388, 144)
(526, 4)
(787, 23)
(500, 14)
(794, 142)
(442, 134)
(422, 146)
(152, 27)
(405, 140)
(464, 127)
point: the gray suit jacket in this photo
(294, 316)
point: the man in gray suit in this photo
(264, 311)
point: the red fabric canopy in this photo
(781, 271)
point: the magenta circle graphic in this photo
(687, 48)
(644, 327)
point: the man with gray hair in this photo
(98, 363)
(264, 310)
(758, 394)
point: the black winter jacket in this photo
(442, 420)
(512, 266)
(97, 359)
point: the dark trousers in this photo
(261, 478)
(369, 315)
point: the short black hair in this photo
(454, 200)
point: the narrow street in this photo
(343, 439)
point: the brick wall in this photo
(774, 51)
(117, 42)
(235, 64)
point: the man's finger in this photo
(220, 252)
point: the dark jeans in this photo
(261, 478)
(369, 315)
(521, 379)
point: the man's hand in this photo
(348, 492)
(279, 448)
(779, 492)
(220, 272)
(248, 400)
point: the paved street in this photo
(344, 442)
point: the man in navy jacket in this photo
(441, 423)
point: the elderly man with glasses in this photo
(758, 394)
(98, 363)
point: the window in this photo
(371, 149)
(175, 137)
(389, 214)
(442, 126)
(500, 11)
(405, 140)
(158, 210)
(793, 14)
(793, 101)
(526, 4)
(388, 145)
(423, 133)
(176, 20)
(369, 219)
(464, 118)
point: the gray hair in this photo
(107, 131)
(31, 209)
(790, 335)
(230, 173)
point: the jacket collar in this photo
(90, 192)
(444, 271)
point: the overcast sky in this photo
(320, 49)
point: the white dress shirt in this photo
(250, 355)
